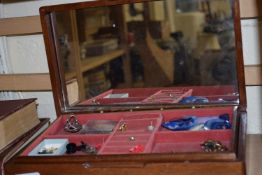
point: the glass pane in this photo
(162, 52)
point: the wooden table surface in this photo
(254, 155)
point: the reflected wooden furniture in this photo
(78, 34)
(153, 57)
(95, 62)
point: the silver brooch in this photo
(72, 124)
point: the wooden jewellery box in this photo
(142, 87)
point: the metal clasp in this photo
(86, 165)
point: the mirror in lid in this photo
(147, 54)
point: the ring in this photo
(72, 124)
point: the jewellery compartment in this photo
(143, 132)
(213, 94)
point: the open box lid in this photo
(144, 54)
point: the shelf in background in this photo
(70, 75)
(93, 62)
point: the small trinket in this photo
(88, 148)
(151, 127)
(73, 148)
(222, 122)
(217, 124)
(95, 102)
(132, 138)
(72, 124)
(47, 150)
(137, 149)
(213, 146)
(122, 127)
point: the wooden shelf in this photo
(93, 62)
(70, 75)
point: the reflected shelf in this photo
(70, 75)
(96, 61)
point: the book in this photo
(16, 118)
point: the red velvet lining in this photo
(157, 141)
(189, 141)
(58, 125)
(93, 140)
(168, 96)
(134, 95)
(137, 128)
(138, 95)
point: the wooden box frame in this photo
(180, 163)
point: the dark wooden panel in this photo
(207, 168)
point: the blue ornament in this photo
(194, 99)
(217, 124)
(180, 124)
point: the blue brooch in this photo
(195, 123)
(194, 99)
(180, 124)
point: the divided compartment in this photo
(119, 142)
(92, 140)
(159, 140)
(167, 141)
(128, 100)
(50, 147)
(199, 113)
(215, 94)
(169, 96)
(57, 127)
(121, 96)
(189, 141)
(222, 98)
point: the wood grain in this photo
(174, 168)
(253, 75)
(20, 26)
(25, 82)
(250, 8)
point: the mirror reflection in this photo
(109, 53)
